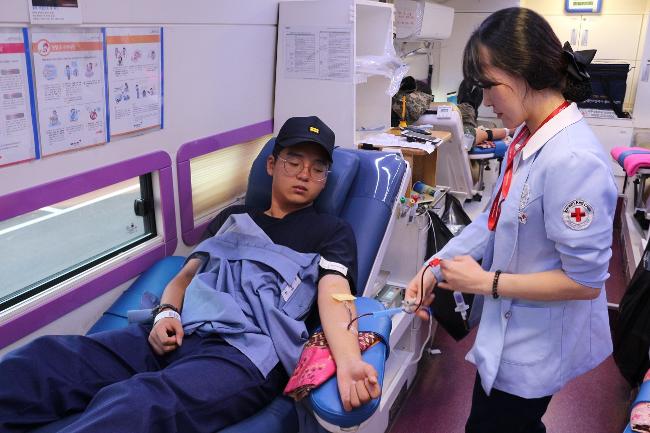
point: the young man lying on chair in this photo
(230, 325)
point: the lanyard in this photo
(513, 150)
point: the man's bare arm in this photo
(357, 380)
(167, 334)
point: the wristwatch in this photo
(489, 134)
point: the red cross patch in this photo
(578, 214)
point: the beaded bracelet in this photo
(495, 283)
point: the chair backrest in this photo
(330, 201)
(361, 189)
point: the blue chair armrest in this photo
(325, 400)
(153, 280)
(642, 397)
(500, 148)
(498, 151)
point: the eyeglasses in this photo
(294, 165)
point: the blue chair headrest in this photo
(330, 201)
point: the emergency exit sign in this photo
(583, 6)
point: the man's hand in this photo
(166, 335)
(413, 291)
(464, 274)
(358, 384)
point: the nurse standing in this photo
(544, 240)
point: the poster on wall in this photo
(17, 124)
(70, 89)
(135, 79)
(54, 11)
(321, 53)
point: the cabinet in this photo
(613, 36)
(319, 45)
(613, 133)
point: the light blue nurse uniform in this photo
(558, 215)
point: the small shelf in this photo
(372, 23)
(348, 103)
(401, 324)
(373, 104)
(621, 122)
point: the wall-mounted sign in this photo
(54, 11)
(583, 6)
(70, 89)
(135, 88)
(17, 123)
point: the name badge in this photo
(290, 288)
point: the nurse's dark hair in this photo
(522, 43)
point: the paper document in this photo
(54, 11)
(320, 53)
(390, 140)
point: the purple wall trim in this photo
(191, 235)
(31, 321)
(27, 200)
(166, 184)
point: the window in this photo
(44, 247)
(213, 173)
(219, 177)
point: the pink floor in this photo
(439, 401)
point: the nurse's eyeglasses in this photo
(294, 165)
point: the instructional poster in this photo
(70, 89)
(318, 53)
(135, 87)
(16, 122)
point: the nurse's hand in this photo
(464, 274)
(413, 291)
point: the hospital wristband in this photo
(165, 314)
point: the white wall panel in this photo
(218, 75)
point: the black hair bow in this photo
(578, 62)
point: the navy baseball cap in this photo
(311, 129)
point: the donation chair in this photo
(483, 156)
(363, 189)
(636, 163)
